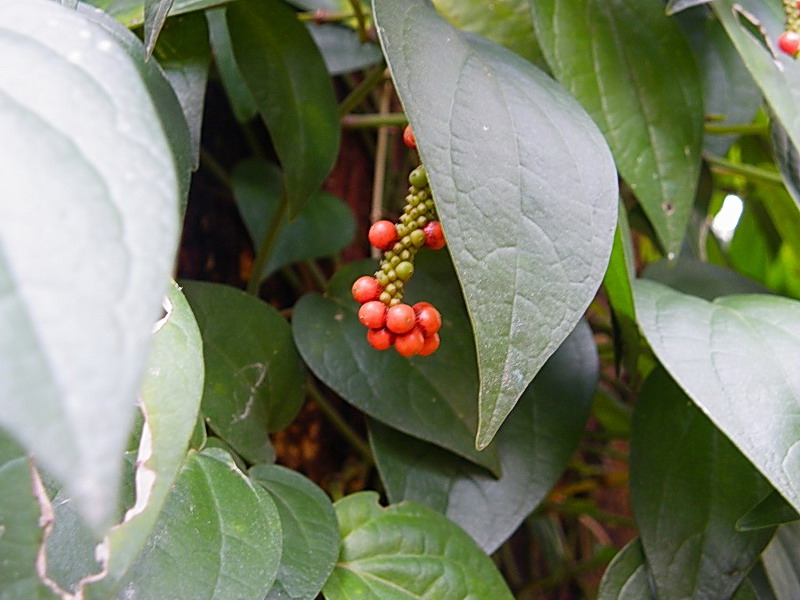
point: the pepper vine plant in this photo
(580, 376)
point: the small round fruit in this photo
(408, 137)
(382, 235)
(789, 42)
(430, 345)
(434, 235)
(400, 318)
(417, 237)
(428, 318)
(418, 177)
(404, 270)
(366, 288)
(410, 343)
(372, 314)
(380, 339)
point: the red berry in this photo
(382, 235)
(430, 346)
(400, 318)
(366, 288)
(434, 235)
(408, 137)
(372, 314)
(410, 343)
(428, 318)
(789, 42)
(380, 339)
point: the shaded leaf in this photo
(155, 14)
(675, 6)
(704, 280)
(526, 192)
(255, 381)
(534, 445)
(407, 551)
(341, 49)
(782, 562)
(131, 12)
(108, 208)
(771, 511)
(241, 100)
(626, 577)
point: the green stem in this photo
(371, 121)
(338, 422)
(267, 244)
(751, 129)
(215, 168)
(361, 20)
(316, 274)
(325, 16)
(603, 557)
(362, 90)
(749, 171)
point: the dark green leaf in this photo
(702, 279)
(782, 562)
(771, 511)
(675, 6)
(626, 577)
(239, 96)
(525, 188)
(689, 485)
(534, 444)
(737, 360)
(310, 532)
(255, 381)
(324, 225)
(787, 158)
(407, 551)
(341, 49)
(632, 69)
(155, 14)
(89, 193)
(431, 397)
(284, 71)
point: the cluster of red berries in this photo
(789, 41)
(412, 330)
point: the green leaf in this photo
(534, 445)
(431, 397)
(131, 12)
(771, 511)
(736, 358)
(525, 188)
(632, 69)
(689, 485)
(626, 577)
(255, 381)
(310, 532)
(675, 6)
(341, 49)
(704, 280)
(218, 537)
(323, 226)
(241, 100)
(782, 562)
(155, 14)
(184, 53)
(287, 77)
(407, 551)
(85, 251)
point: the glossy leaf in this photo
(310, 532)
(433, 397)
(626, 577)
(221, 533)
(155, 14)
(407, 551)
(782, 562)
(287, 77)
(704, 280)
(341, 49)
(131, 12)
(771, 511)
(632, 69)
(324, 226)
(526, 192)
(675, 6)
(689, 486)
(534, 445)
(255, 381)
(736, 359)
(241, 100)
(108, 208)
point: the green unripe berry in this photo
(405, 255)
(404, 270)
(385, 297)
(393, 261)
(422, 221)
(398, 247)
(429, 203)
(417, 237)
(394, 302)
(391, 289)
(418, 177)
(398, 284)
(382, 278)
(392, 274)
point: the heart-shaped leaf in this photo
(407, 551)
(88, 237)
(431, 397)
(534, 444)
(633, 70)
(525, 188)
(310, 532)
(689, 486)
(736, 358)
(255, 381)
(626, 577)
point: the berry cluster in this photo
(412, 330)
(789, 40)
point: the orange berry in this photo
(430, 346)
(410, 343)
(366, 288)
(434, 235)
(382, 235)
(372, 314)
(400, 318)
(380, 339)
(408, 137)
(428, 318)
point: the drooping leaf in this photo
(323, 226)
(90, 227)
(525, 188)
(287, 77)
(310, 532)
(242, 102)
(626, 577)
(771, 511)
(782, 562)
(341, 49)
(698, 278)
(254, 381)
(432, 397)
(736, 359)
(689, 486)
(632, 69)
(534, 445)
(155, 14)
(407, 551)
